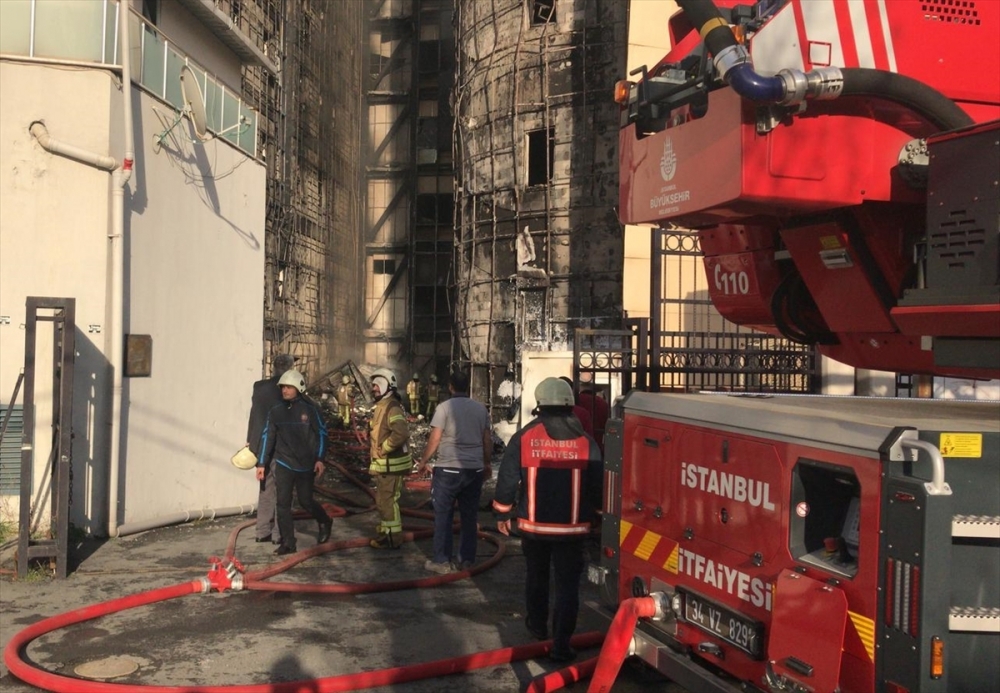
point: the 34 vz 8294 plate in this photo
(722, 622)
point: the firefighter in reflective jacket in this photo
(391, 460)
(551, 476)
(414, 390)
(433, 394)
(345, 399)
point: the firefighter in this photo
(433, 393)
(550, 477)
(345, 399)
(413, 391)
(390, 457)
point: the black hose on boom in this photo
(790, 87)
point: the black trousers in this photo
(566, 560)
(285, 480)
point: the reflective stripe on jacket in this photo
(390, 438)
(553, 470)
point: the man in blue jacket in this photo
(295, 438)
(551, 477)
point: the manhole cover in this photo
(107, 668)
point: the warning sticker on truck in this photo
(961, 444)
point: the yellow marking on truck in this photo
(671, 563)
(623, 529)
(961, 444)
(648, 544)
(866, 631)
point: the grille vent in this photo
(957, 240)
(951, 11)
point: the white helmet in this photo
(294, 378)
(554, 392)
(386, 381)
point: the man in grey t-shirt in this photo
(461, 435)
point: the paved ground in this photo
(255, 637)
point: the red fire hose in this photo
(230, 574)
(346, 682)
(616, 644)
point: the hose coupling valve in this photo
(730, 57)
(821, 83)
(225, 575)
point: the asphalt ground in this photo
(250, 637)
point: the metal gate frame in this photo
(63, 362)
(737, 359)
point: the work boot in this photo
(562, 655)
(439, 568)
(284, 550)
(536, 633)
(323, 535)
(383, 541)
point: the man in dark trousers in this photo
(266, 394)
(294, 440)
(462, 435)
(551, 477)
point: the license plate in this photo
(733, 627)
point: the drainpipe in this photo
(115, 344)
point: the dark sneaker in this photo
(261, 540)
(383, 541)
(462, 566)
(439, 568)
(284, 550)
(536, 633)
(323, 535)
(562, 655)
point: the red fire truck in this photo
(839, 161)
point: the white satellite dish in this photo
(194, 104)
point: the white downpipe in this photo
(50, 144)
(181, 517)
(115, 344)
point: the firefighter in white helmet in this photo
(294, 440)
(433, 395)
(390, 457)
(550, 478)
(413, 391)
(345, 399)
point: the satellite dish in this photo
(194, 104)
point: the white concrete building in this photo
(180, 260)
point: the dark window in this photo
(384, 266)
(435, 208)
(541, 150)
(430, 301)
(543, 11)
(151, 10)
(430, 56)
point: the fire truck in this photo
(839, 162)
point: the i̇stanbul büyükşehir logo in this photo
(668, 162)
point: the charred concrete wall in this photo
(310, 139)
(539, 250)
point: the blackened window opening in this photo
(541, 150)
(543, 11)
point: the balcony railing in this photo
(86, 31)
